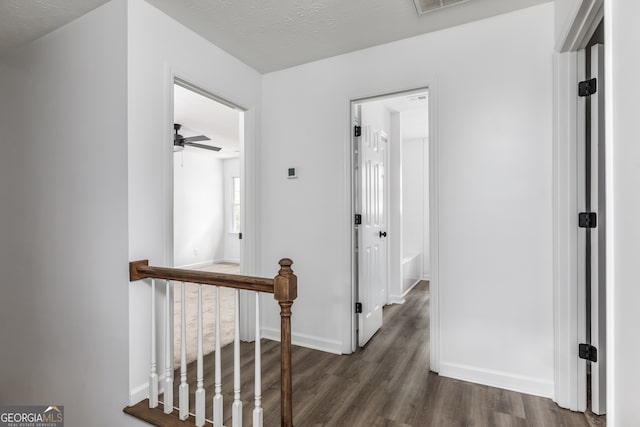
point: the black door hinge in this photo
(357, 131)
(587, 220)
(587, 87)
(358, 219)
(240, 236)
(358, 307)
(588, 352)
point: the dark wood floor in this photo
(386, 384)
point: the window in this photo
(235, 205)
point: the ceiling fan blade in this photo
(206, 147)
(197, 138)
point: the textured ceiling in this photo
(22, 21)
(268, 35)
(274, 34)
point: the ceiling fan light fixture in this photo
(179, 141)
(426, 6)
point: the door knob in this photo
(383, 234)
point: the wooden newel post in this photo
(285, 292)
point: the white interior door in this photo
(372, 242)
(598, 234)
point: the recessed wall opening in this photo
(391, 243)
(207, 144)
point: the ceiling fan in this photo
(179, 141)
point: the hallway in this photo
(387, 383)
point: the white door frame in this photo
(598, 237)
(434, 322)
(568, 277)
(247, 183)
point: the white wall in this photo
(231, 241)
(394, 229)
(494, 138)
(158, 46)
(198, 214)
(426, 195)
(622, 69)
(415, 219)
(63, 186)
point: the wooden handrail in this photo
(141, 270)
(284, 287)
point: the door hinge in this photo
(358, 307)
(358, 219)
(357, 131)
(587, 87)
(240, 236)
(588, 352)
(587, 220)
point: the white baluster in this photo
(237, 403)
(217, 399)
(257, 412)
(200, 396)
(168, 356)
(184, 386)
(153, 375)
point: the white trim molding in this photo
(141, 392)
(396, 299)
(568, 276)
(304, 340)
(210, 263)
(401, 299)
(434, 229)
(197, 264)
(498, 379)
(578, 31)
(569, 372)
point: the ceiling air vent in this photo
(426, 6)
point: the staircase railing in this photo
(283, 287)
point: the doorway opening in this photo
(390, 202)
(580, 244)
(207, 201)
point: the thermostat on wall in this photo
(292, 173)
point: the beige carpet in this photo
(227, 315)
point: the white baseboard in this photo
(405, 293)
(197, 264)
(209, 263)
(138, 394)
(303, 340)
(401, 299)
(396, 299)
(497, 379)
(426, 276)
(141, 392)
